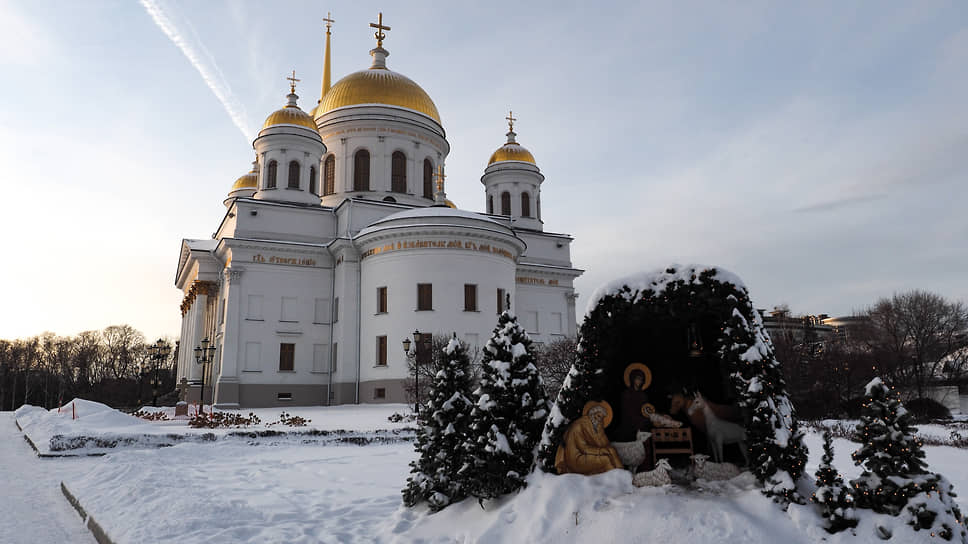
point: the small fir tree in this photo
(444, 422)
(895, 480)
(510, 410)
(834, 497)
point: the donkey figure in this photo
(721, 432)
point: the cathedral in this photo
(341, 242)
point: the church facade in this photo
(340, 242)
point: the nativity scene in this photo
(675, 376)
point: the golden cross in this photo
(379, 35)
(329, 20)
(440, 178)
(511, 119)
(292, 82)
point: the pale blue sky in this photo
(818, 151)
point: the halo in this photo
(648, 409)
(645, 370)
(608, 410)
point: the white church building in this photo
(340, 243)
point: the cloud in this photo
(184, 37)
(838, 203)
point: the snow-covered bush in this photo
(444, 422)
(895, 480)
(510, 409)
(741, 348)
(835, 498)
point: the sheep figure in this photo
(654, 478)
(632, 453)
(703, 468)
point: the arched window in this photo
(271, 174)
(398, 172)
(428, 179)
(505, 203)
(361, 170)
(525, 205)
(312, 180)
(490, 204)
(293, 175)
(329, 175)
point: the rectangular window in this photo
(335, 355)
(470, 297)
(284, 396)
(320, 352)
(381, 351)
(380, 393)
(500, 300)
(254, 310)
(288, 310)
(531, 322)
(287, 353)
(381, 300)
(556, 324)
(425, 296)
(253, 356)
(321, 310)
(335, 309)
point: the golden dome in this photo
(248, 181)
(378, 86)
(511, 151)
(450, 204)
(290, 115)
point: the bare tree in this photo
(912, 334)
(554, 360)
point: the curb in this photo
(99, 535)
(51, 455)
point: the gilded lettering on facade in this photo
(293, 261)
(438, 244)
(535, 281)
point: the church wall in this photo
(282, 222)
(447, 271)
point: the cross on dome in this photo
(329, 21)
(379, 26)
(292, 82)
(511, 119)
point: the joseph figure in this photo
(586, 449)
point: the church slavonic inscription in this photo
(465, 245)
(293, 261)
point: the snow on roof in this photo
(201, 245)
(431, 212)
(657, 280)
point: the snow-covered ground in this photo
(32, 509)
(229, 491)
(85, 427)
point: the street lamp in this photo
(422, 344)
(203, 356)
(159, 351)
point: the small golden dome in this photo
(248, 181)
(450, 203)
(378, 86)
(290, 115)
(511, 151)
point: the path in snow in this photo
(33, 508)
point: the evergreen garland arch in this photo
(652, 308)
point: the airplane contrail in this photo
(202, 60)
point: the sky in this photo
(818, 150)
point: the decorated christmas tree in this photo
(834, 497)
(509, 412)
(895, 480)
(444, 424)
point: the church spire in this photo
(326, 62)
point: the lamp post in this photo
(422, 346)
(159, 351)
(204, 354)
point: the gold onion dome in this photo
(290, 114)
(247, 181)
(378, 85)
(511, 151)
